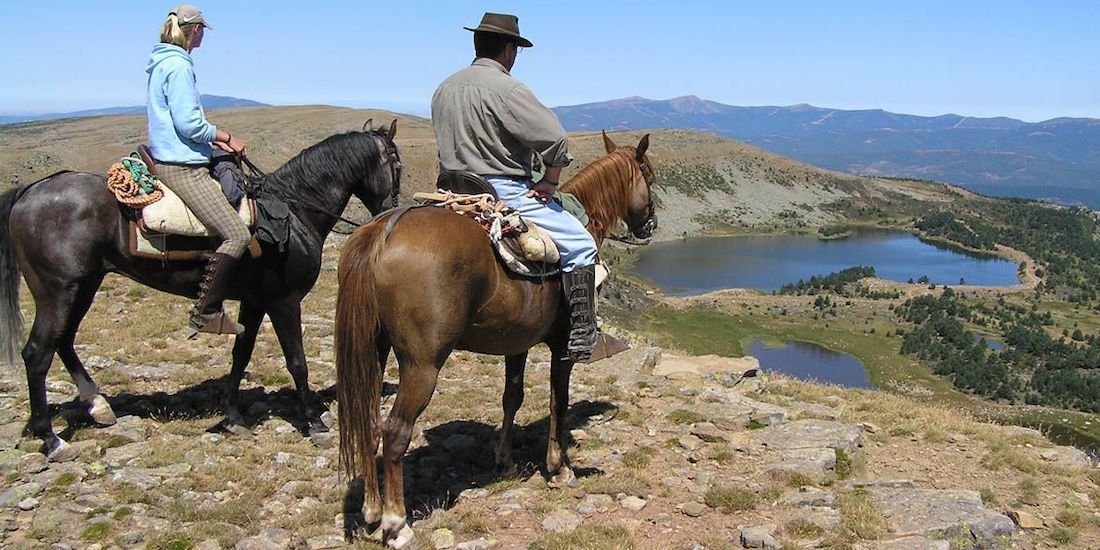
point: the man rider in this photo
(489, 123)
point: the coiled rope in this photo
(129, 179)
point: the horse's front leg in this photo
(418, 380)
(98, 407)
(286, 319)
(557, 462)
(511, 401)
(250, 316)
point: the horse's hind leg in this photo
(51, 318)
(286, 319)
(98, 407)
(557, 461)
(418, 380)
(511, 401)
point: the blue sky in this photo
(1028, 60)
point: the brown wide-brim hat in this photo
(504, 24)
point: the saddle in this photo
(167, 230)
(520, 245)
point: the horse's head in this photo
(382, 193)
(641, 215)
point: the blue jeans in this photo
(575, 245)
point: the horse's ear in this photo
(642, 146)
(393, 129)
(368, 126)
(607, 143)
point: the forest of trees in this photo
(1062, 241)
(946, 225)
(1033, 367)
(833, 282)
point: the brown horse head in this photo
(628, 197)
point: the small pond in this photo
(807, 361)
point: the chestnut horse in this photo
(429, 284)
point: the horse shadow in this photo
(205, 400)
(461, 455)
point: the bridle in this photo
(393, 159)
(651, 214)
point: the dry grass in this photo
(638, 458)
(683, 416)
(730, 499)
(803, 529)
(860, 519)
(1002, 454)
(627, 482)
(587, 537)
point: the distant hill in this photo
(1056, 159)
(705, 182)
(208, 102)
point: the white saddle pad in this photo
(170, 215)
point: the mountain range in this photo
(1056, 159)
(208, 102)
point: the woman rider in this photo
(180, 140)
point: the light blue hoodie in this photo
(178, 130)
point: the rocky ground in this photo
(670, 451)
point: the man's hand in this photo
(543, 191)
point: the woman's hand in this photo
(229, 144)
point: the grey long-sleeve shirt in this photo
(490, 123)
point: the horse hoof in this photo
(377, 535)
(317, 427)
(101, 412)
(404, 540)
(507, 470)
(62, 452)
(327, 419)
(563, 480)
(237, 429)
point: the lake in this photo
(811, 362)
(704, 264)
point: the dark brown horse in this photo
(66, 232)
(430, 284)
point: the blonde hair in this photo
(173, 34)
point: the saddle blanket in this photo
(169, 215)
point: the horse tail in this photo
(11, 318)
(358, 370)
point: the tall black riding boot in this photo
(207, 315)
(579, 286)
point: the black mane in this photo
(338, 159)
